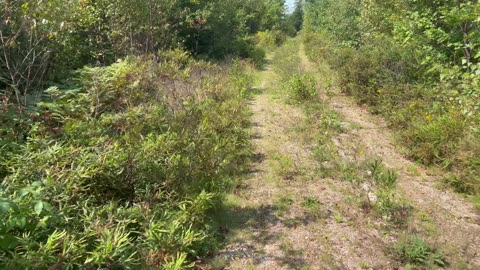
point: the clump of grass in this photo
(283, 166)
(313, 208)
(384, 182)
(375, 187)
(476, 201)
(283, 204)
(311, 202)
(414, 251)
(338, 217)
(364, 265)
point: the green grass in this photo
(311, 202)
(414, 251)
(283, 204)
(283, 166)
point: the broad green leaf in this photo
(4, 207)
(38, 207)
(8, 242)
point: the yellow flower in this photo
(428, 118)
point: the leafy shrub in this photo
(248, 49)
(301, 87)
(321, 47)
(434, 139)
(126, 167)
(270, 39)
(375, 65)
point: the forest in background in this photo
(42, 41)
(416, 63)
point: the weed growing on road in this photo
(283, 166)
(300, 88)
(283, 205)
(414, 251)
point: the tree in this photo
(296, 18)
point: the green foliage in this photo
(338, 18)
(415, 251)
(300, 87)
(283, 166)
(434, 140)
(311, 202)
(385, 179)
(322, 125)
(416, 64)
(294, 21)
(270, 39)
(286, 61)
(248, 49)
(283, 204)
(123, 165)
(43, 41)
(383, 183)
(297, 85)
(376, 189)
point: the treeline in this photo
(43, 40)
(416, 62)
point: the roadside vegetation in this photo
(122, 168)
(415, 63)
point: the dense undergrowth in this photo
(123, 165)
(421, 75)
